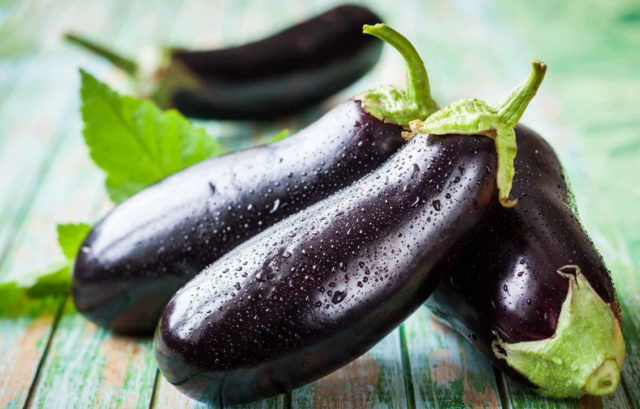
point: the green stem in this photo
(395, 105)
(476, 117)
(125, 64)
(418, 90)
(510, 111)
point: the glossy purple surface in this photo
(283, 73)
(505, 281)
(321, 287)
(146, 248)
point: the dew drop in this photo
(338, 296)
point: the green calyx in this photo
(584, 355)
(476, 117)
(395, 105)
(157, 80)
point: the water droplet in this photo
(436, 205)
(276, 204)
(338, 296)
(415, 170)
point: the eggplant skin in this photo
(282, 74)
(505, 282)
(147, 247)
(321, 287)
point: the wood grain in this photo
(447, 371)
(375, 380)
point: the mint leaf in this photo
(53, 280)
(278, 137)
(57, 282)
(136, 143)
(70, 237)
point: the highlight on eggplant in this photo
(321, 287)
(150, 245)
(532, 292)
(278, 75)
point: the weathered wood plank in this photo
(375, 380)
(88, 367)
(37, 126)
(447, 371)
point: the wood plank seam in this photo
(502, 391)
(627, 392)
(43, 356)
(406, 369)
(156, 381)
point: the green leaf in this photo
(53, 280)
(57, 282)
(134, 142)
(70, 237)
(278, 137)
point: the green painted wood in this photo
(88, 367)
(375, 380)
(34, 126)
(447, 372)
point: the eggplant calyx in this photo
(400, 106)
(471, 116)
(583, 356)
(156, 74)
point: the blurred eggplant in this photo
(281, 74)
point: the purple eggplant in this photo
(532, 292)
(321, 287)
(282, 74)
(147, 247)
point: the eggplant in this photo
(147, 247)
(321, 287)
(532, 292)
(281, 74)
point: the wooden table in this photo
(588, 107)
